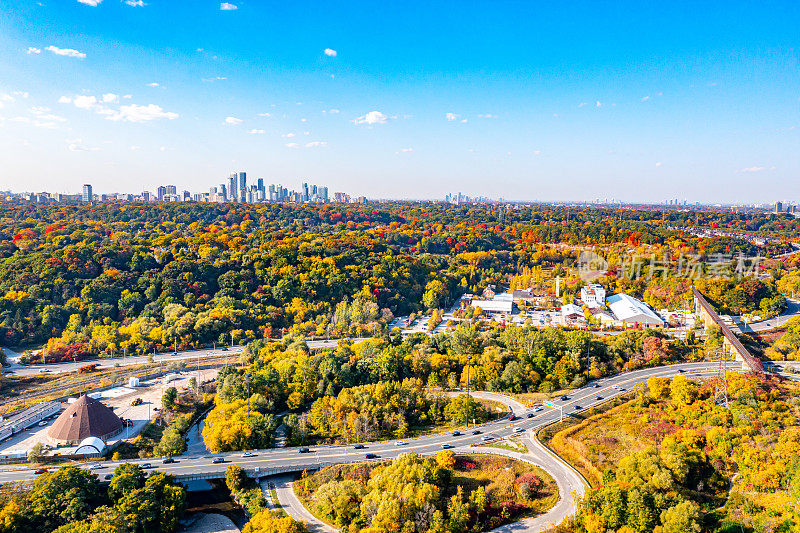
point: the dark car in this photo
(371, 456)
(446, 446)
(304, 450)
(513, 417)
(167, 461)
(596, 385)
(456, 433)
(564, 398)
(476, 432)
(107, 477)
(358, 447)
(224, 349)
(218, 460)
(681, 371)
(599, 398)
(529, 415)
(577, 407)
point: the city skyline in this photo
(524, 102)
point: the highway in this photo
(291, 458)
(17, 369)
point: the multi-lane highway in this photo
(292, 459)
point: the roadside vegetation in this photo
(444, 494)
(671, 459)
(72, 500)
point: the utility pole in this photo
(468, 360)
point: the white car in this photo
(97, 466)
(400, 443)
(518, 430)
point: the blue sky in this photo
(525, 100)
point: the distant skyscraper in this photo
(223, 192)
(160, 192)
(171, 189)
(87, 195)
(242, 186)
(304, 192)
(233, 189)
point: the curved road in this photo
(262, 462)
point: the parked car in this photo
(137, 401)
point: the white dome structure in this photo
(91, 446)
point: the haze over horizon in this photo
(518, 100)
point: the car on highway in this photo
(518, 430)
(529, 415)
(167, 461)
(446, 446)
(476, 432)
(681, 371)
(564, 398)
(486, 437)
(44, 371)
(108, 477)
(596, 385)
(577, 407)
(145, 465)
(513, 417)
(304, 450)
(598, 398)
(358, 447)
(456, 433)
(248, 454)
(97, 466)
(40, 471)
(218, 460)
(371, 456)
(224, 349)
(537, 410)
(43, 423)
(400, 443)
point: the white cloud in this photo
(23, 94)
(163, 149)
(373, 117)
(93, 3)
(65, 100)
(256, 132)
(331, 52)
(598, 104)
(85, 102)
(537, 152)
(464, 121)
(33, 50)
(404, 150)
(233, 121)
(215, 78)
(645, 98)
(582, 104)
(135, 148)
(658, 163)
(288, 135)
(488, 115)
(752, 169)
(451, 116)
(292, 145)
(5, 98)
(68, 52)
(314, 144)
(76, 145)
(333, 111)
(225, 6)
(153, 84)
(110, 98)
(264, 115)
(303, 120)
(128, 96)
(135, 3)
(141, 113)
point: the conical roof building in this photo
(86, 417)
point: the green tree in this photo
(127, 477)
(681, 518)
(169, 398)
(67, 495)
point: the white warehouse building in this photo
(593, 295)
(632, 311)
(501, 303)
